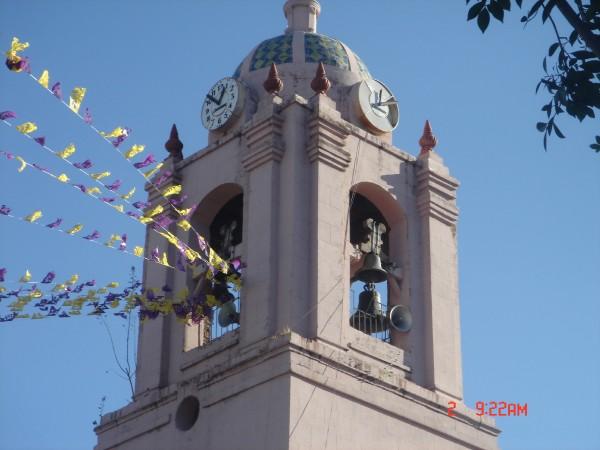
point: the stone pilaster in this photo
(436, 204)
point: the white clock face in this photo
(377, 106)
(223, 101)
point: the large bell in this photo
(369, 317)
(371, 271)
(228, 314)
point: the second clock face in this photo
(222, 103)
(377, 106)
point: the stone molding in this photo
(326, 142)
(264, 142)
(436, 195)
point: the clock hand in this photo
(212, 99)
(386, 103)
(222, 94)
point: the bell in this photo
(369, 317)
(228, 314)
(371, 271)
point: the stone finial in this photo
(174, 145)
(273, 84)
(428, 141)
(301, 15)
(320, 83)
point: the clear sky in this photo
(529, 240)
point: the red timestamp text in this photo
(494, 409)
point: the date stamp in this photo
(494, 409)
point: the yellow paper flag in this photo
(145, 220)
(62, 177)
(134, 150)
(16, 46)
(23, 164)
(93, 190)
(76, 229)
(73, 279)
(157, 210)
(99, 175)
(25, 278)
(33, 216)
(68, 151)
(151, 172)
(26, 128)
(119, 208)
(164, 260)
(138, 251)
(76, 98)
(44, 79)
(112, 284)
(184, 224)
(128, 195)
(173, 190)
(114, 133)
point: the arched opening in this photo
(377, 238)
(219, 218)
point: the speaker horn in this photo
(400, 318)
(228, 314)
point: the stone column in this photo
(329, 210)
(436, 203)
(261, 160)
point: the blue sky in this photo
(528, 231)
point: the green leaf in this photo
(505, 4)
(496, 10)
(519, 2)
(541, 126)
(534, 8)
(553, 48)
(584, 54)
(598, 140)
(475, 10)
(596, 147)
(573, 37)
(547, 10)
(483, 20)
(592, 66)
(557, 131)
(545, 142)
(544, 65)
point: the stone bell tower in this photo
(301, 181)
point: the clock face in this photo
(377, 106)
(223, 102)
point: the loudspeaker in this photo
(400, 318)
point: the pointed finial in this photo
(174, 145)
(320, 83)
(428, 141)
(273, 84)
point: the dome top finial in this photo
(302, 15)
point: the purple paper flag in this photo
(123, 244)
(133, 214)
(40, 140)
(5, 115)
(177, 201)
(2, 273)
(57, 90)
(87, 116)
(90, 283)
(164, 177)
(163, 221)
(93, 236)
(54, 224)
(5, 210)
(84, 165)
(38, 167)
(156, 254)
(81, 187)
(49, 277)
(8, 155)
(179, 263)
(108, 199)
(145, 163)
(140, 204)
(113, 187)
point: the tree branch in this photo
(591, 40)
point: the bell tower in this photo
(345, 332)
